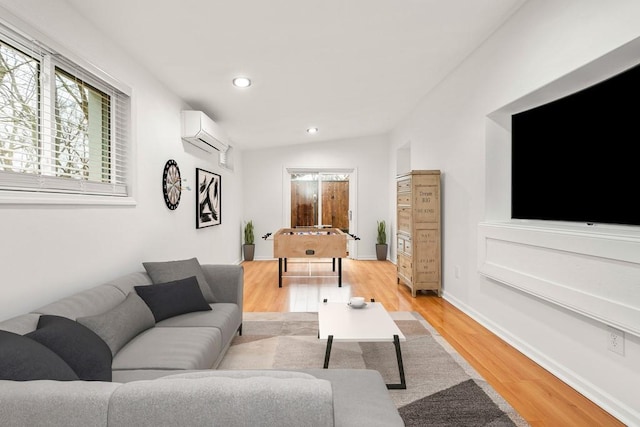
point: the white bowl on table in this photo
(356, 302)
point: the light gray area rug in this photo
(442, 388)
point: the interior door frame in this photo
(353, 198)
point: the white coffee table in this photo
(337, 321)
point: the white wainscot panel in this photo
(595, 273)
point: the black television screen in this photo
(576, 159)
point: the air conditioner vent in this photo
(199, 130)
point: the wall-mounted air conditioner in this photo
(204, 133)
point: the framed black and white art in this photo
(208, 199)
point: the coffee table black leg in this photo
(339, 272)
(403, 384)
(279, 272)
(327, 353)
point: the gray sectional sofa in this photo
(163, 349)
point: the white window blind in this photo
(62, 129)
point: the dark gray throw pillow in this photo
(168, 271)
(23, 359)
(173, 298)
(122, 323)
(83, 350)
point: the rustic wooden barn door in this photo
(320, 199)
(335, 204)
(304, 203)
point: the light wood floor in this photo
(539, 397)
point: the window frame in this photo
(52, 57)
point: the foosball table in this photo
(309, 243)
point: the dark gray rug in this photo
(442, 388)
(464, 404)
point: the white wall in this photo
(47, 252)
(449, 130)
(265, 170)
(43, 255)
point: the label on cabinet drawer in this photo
(426, 256)
(426, 203)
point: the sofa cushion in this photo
(224, 316)
(85, 303)
(360, 397)
(21, 324)
(83, 350)
(55, 403)
(128, 375)
(252, 401)
(167, 271)
(120, 324)
(126, 283)
(242, 374)
(173, 298)
(23, 359)
(171, 348)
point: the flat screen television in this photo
(576, 158)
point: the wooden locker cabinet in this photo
(418, 238)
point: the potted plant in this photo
(381, 243)
(248, 248)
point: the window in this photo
(62, 129)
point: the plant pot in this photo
(381, 251)
(248, 251)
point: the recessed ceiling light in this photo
(312, 130)
(241, 82)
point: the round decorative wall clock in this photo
(171, 184)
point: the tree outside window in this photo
(19, 99)
(62, 129)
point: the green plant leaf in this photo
(248, 233)
(382, 233)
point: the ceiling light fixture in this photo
(242, 82)
(311, 131)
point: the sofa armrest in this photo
(254, 401)
(226, 282)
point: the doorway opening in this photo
(322, 198)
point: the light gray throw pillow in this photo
(122, 323)
(169, 271)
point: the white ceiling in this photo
(349, 67)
